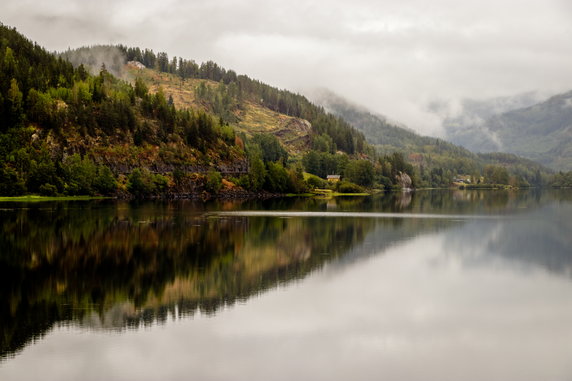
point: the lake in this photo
(431, 285)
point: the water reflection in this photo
(117, 265)
(107, 265)
(539, 239)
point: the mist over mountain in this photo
(523, 125)
(93, 58)
(438, 161)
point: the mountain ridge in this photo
(541, 132)
(437, 160)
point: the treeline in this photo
(346, 138)
(562, 180)
(520, 171)
(437, 163)
(45, 103)
(381, 172)
(62, 130)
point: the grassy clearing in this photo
(253, 118)
(182, 91)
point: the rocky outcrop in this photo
(136, 65)
(403, 180)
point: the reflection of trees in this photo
(120, 265)
(538, 239)
(116, 266)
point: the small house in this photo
(333, 178)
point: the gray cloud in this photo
(394, 57)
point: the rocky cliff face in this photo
(404, 180)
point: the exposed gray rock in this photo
(403, 180)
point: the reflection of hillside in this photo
(112, 267)
(537, 239)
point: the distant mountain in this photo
(385, 135)
(541, 131)
(437, 160)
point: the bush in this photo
(48, 190)
(316, 182)
(360, 172)
(347, 187)
(214, 181)
(277, 178)
(105, 182)
(10, 183)
(142, 183)
(79, 175)
(43, 172)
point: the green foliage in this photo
(213, 181)
(48, 190)
(348, 187)
(495, 174)
(42, 109)
(220, 100)
(143, 183)
(323, 143)
(562, 180)
(179, 176)
(104, 182)
(256, 173)
(297, 183)
(277, 179)
(10, 182)
(323, 164)
(141, 89)
(360, 172)
(525, 171)
(14, 104)
(64, 104)
(80, 174)
(42, 172)
(316, 182)
(270, 148)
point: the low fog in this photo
(95, 57)
(397, 58)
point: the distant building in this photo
(333, 178)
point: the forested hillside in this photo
(541, 132)
(313, 140)
(112, 120)
(225, 93)
(65, 131)
(438, 162)
(75, 130)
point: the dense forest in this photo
(66, 131)
(61, 127)
(70, 127)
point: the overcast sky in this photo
(392, 56)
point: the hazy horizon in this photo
(394, 58)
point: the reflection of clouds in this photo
(536, 240)
(396, 316)
(454, 302)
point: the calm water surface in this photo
(444, 285)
